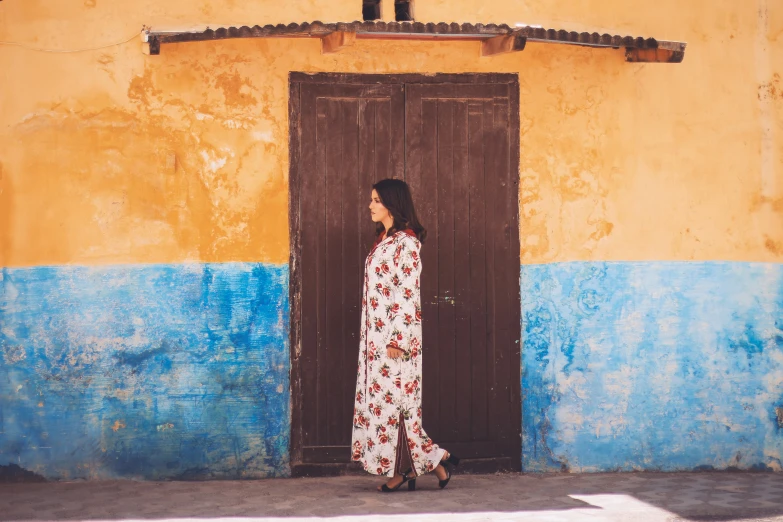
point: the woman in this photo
(387, 424)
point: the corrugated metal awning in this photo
(504, 38)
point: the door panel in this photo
(458, 145)
(351, 136)
(455, 141)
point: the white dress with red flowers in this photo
(388, 390)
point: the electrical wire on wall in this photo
(41, 50)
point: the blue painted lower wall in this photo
(182, 371)
(145, 371)
(652, 366)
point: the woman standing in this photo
(387, 425)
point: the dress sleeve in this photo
(405, 308)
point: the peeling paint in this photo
(601, 152)
(651, 366)
(116, 354)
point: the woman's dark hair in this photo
(396, 197)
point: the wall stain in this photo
(602, 229)
(142, 88)
(105, 62)
(534, 218)
(759, 202)
(771, 90)
(748, 341)
(136, 359)
(194, 210)
(13, 354)
(236, 89)
(567, 183)
(773, 246)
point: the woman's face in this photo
(378, 212)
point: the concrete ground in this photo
(590, 497)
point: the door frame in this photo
(298, 467)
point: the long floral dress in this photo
(388, 391)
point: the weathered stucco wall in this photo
(619, 161)
(111, 157)
(146, 371)
(665, 366)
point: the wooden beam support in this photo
(636, 55)
(154, 45)
(503, 44)
(333, 42)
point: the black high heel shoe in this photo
(405, 478)
(453, 460)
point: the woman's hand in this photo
(393, 352)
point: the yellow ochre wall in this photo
(111, 156)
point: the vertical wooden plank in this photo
(423, 165)
(367, 131)
(503, 277)
(425, 204)
(515, 297)
(491, 151)
(397, 131)
(351, 266)
(478, 273)
(446, 258)
(413, 153)
(420, 132)
(462, 281)
(514, 447)
(330, 352)
(309, 273)
(383, 140)
(325, 144)
(309, 297)
(427, 127)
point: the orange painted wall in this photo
(111, 156)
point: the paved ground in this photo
(595, 497)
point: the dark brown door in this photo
(454, 138)
(463, 171)
(349, 136)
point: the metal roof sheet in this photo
(418, 30)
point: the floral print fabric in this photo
(388, 391)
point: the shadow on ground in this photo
(618, 496)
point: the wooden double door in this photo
(455, 140)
